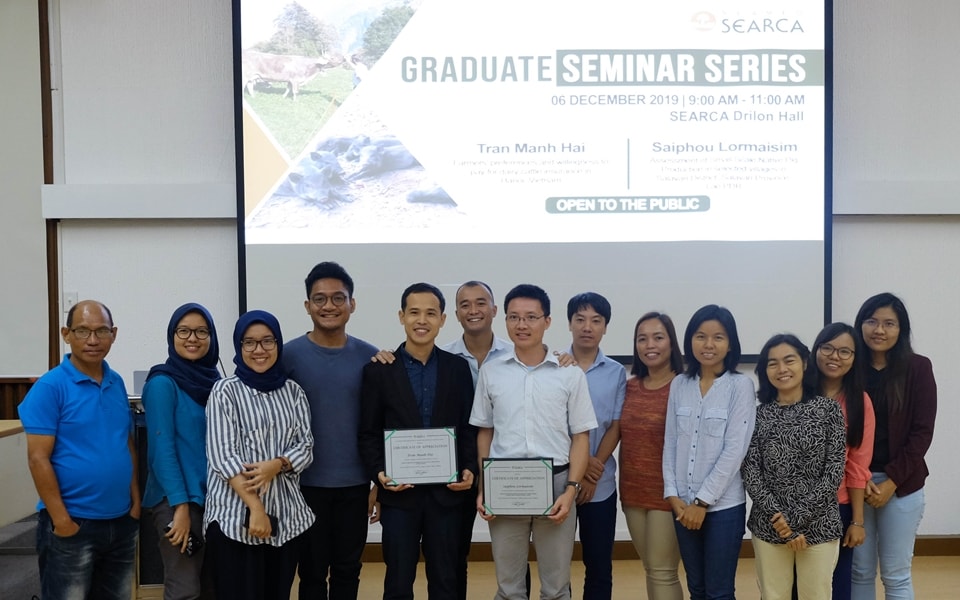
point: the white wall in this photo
(147, 100)
(896, 94)
(147, 112)
(915, 258)
(23, 292)
(143, 270)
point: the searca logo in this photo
(707, 21)
(703, 21)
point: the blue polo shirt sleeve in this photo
(40, 410)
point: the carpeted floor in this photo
(18, 560)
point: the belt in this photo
(561, 469)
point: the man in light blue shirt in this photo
(475, 310)
(588, 315)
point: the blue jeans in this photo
(598, 525)
(891, 532)
(96, 562)
(710, 554)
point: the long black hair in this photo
(766, 392)
(852, 382)
(893, 381)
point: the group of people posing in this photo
(278, 469)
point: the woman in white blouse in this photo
(258, 442)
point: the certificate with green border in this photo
(421, 456)
(518, 486)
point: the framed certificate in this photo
(518, 486)
(421, 456)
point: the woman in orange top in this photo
(656, 361)
(840, 376)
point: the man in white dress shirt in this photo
(527, 406)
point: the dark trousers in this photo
(250, 572)
(429, 526)
(334, 543)
(184, 577)
(468, 515)
(598, 526)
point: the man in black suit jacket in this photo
(425, 388)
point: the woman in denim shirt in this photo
(710, 418)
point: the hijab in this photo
(194, 377)
(274, 377)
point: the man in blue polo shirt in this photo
(81, 455)
(589, 315)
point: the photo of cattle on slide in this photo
(295, 71)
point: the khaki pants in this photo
(655, 539)
(775, 563)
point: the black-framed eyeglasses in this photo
(843, 353)
(267, 344)
(320, 300)
(102, 333)
(183, 333)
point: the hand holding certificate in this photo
(519, 487)
(419, 456)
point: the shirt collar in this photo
(407, 356)
(550, 358)
(599, 360)
(77, 376)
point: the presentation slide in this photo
(666, 155)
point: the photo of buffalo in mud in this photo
(347, 180)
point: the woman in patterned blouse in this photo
(792, 470)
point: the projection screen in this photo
(665, 155)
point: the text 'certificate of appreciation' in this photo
(518, 486)
(421, 456)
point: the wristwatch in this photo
(700, 503)
(576, 485)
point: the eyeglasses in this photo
(873, 324)
(102, 333)
(515, 319)
(183, 333)
(267, 344)
(320, 300)
(843, 353)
